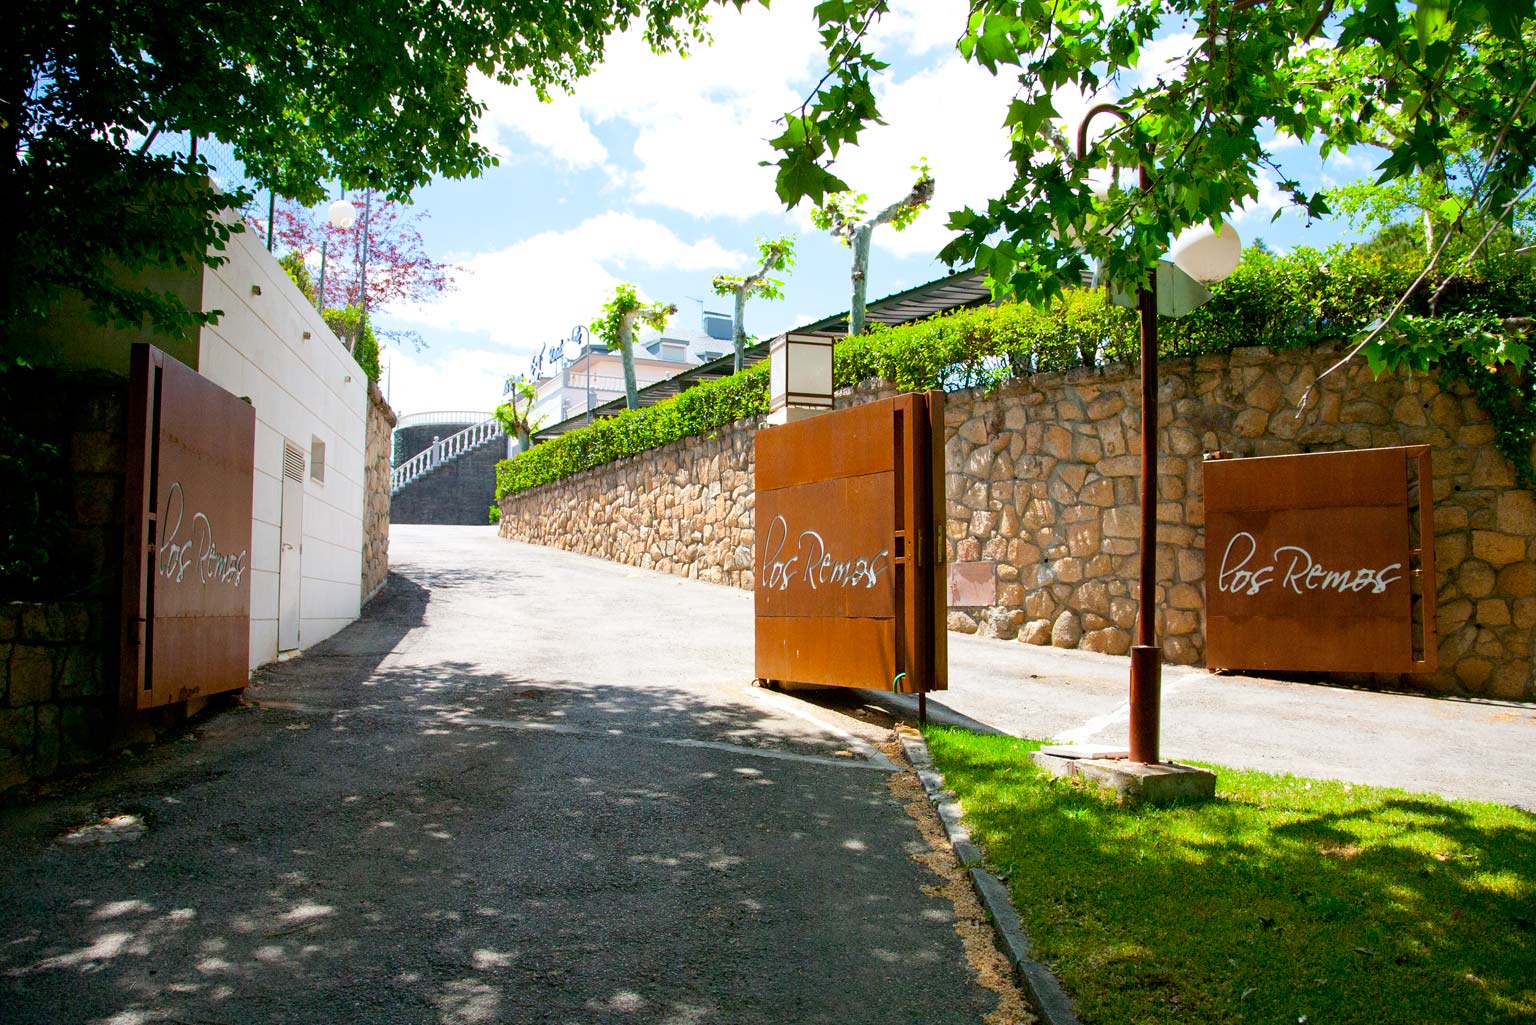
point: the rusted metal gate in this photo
(1317, 562)
(187, 535)
(849, 517)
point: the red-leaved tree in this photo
(399, 269)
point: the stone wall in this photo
(376, 460)
(1042, 515)
(56, 689)
(1042, 486)
(58, 654)
(685, 508)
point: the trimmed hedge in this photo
(698, 410)
(1298, 300)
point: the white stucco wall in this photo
(302, 388)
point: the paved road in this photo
(529, 787)
(1485, 750)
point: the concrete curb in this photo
(1050, 1000)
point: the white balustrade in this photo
(444, 450)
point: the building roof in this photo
(956, 291)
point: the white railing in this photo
(579, 383)
(443, 416)
(444, 450)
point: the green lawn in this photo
(1284, 900)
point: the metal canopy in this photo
(955, 292)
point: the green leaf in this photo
(1429, 18)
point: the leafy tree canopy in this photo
(1431, 81)
(375, 95)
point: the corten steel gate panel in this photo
(849, 529)
(187, 535)
(1310, 564)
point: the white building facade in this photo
(311, 404)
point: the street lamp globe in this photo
(1206, 255)
(342, 214)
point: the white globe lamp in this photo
(1207, 254)
(342, 214)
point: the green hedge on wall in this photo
(698, 410)
(1297, 300)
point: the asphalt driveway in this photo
(528, 787)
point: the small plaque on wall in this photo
(1321, 562)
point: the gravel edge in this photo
(1050, 1000)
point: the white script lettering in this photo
(814, 563)
(177, 556)
(1302, 574)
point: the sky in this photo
(649, 173)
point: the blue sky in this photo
(649, 173)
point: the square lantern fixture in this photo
(799, 376)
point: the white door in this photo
(290, 536)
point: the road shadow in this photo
(447, 846)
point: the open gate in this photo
(849, 525)
(187, 535)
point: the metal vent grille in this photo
(293, 461)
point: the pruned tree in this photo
(617, 327)
(775, 256)
(516, 414)
(842, 214)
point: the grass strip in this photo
(1284, 900)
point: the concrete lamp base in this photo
(1133, 783)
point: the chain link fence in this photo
(226, 170)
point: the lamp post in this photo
(581, 337)
(1204, 256)
(342, 215)
(362, 272)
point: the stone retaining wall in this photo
(459, 491)
(685, 508)
(1042, 486)
(58, 662)
(376, 465)
(56, 693)
(1042, 514)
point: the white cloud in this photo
(951, 114)
(701, 121)
(921, 26)
(421, 382)
(515, 119)
(535, 290)
(1269, 200)
(1163, 58)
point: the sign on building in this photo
(849, 535)
(1321, 562)
(187, 534)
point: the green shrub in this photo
(698, 410)
(1304, 298)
